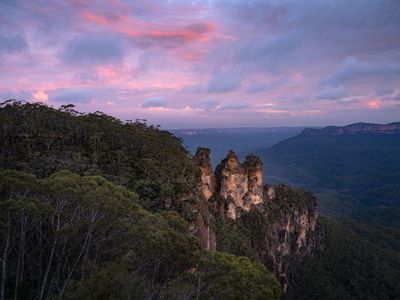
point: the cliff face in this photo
(291, 233)
(357, 128)
(279, 223)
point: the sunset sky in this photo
(200, 64)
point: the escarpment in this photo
(276, 225)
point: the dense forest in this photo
(96, 208)
(364, 166)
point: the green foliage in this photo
(384, 237)
(41, 140)
(73, 188)
(233, 237)
(78, 231)
(364, 166)
(224, 276)
(349, 267)
(56, 230)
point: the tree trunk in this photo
(4, 262)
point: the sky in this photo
(204, 64)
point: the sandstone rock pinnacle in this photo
(203, 161)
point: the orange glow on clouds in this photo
(95, 18)
(106, 72)
(40, 96)
(142, 29)
(375, 104)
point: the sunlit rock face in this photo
(269, 192)
(232, 181)
(254, 170)
(239, 183)
(203, 161)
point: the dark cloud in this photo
(73, 95)
(351, 68)
(12, 43)
(234, 106)
(154, 102)
(282, 35)
(263, 87)
(331, 93)
(384, 90)
(209, 104)
(271, 53)
(93, 49)
(20, 95)
(298, 98)
(223, 83)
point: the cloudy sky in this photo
(199, 64)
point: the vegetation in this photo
(365, 166)
(349, 267)
(83, 214)
(41, 140)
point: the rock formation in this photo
(254, 169)
(203, 161)
(287, 218)
(240, 184)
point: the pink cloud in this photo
(204, 57)
(91, 17)
(151, 31)
(374, 104)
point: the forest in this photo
(91, 208)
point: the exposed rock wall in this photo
(291, 233)
(203, 231)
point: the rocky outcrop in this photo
(254, 170)
(240, 184)
(203, 161)
(286, 219)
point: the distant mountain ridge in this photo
(355, 128)
(243, 130)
